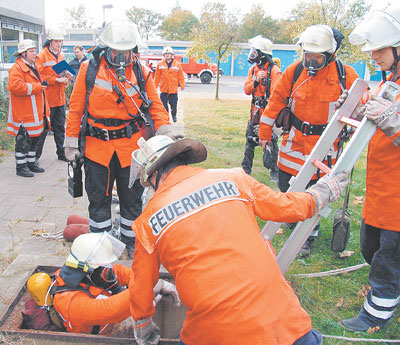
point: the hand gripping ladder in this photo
(365, 130)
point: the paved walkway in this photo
(38, 204)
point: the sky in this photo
(55, 9)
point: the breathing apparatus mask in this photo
(105, 278)
(313, 62)
(119, 59)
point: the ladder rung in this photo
(349, 121)
(321, 166)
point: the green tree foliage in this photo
(257, 23)
(146, 20)
(77, 17)
(178, 25)
(215, 33)
(343, 15)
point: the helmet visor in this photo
(377, 30)
(253, 55)
(119, 57)
(136, 168)
(107, 250)
(313, 61)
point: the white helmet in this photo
(318, 39)
(120, 35)
(262, 44)
(24, 45)
(160, 149)
(148, 153)
(92, 250)
(55, 34)
(378, 30)
(167, 50)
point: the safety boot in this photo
(23, 170)
(354, 324)
(305, 250)
(174, 118)
(34, 167)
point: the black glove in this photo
(105, 278)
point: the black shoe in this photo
(34, 167)
(62, 158)
(24, 171)
(354, 324)
(305, 250)
(174, 118)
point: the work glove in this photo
(164, 288)
(71, 148)
(256, 130)
(328, 189)
(170, 131)
(357, 114)
(384, 113)
(146, 332)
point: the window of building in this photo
(79, 37)
(9, 35)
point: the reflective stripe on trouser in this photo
(381, 249)
(99, 181)
(25, 152)
(283, 184)
(172, 99)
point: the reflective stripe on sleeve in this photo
(266, 120)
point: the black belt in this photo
(106, 134)
(109, 122)
(305, 127)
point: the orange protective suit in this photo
(259, 91)
(169, 78)
(80, 312)
(55, 92)
(103, 105)
(27, 100)
(201, 225)
(313, 102)
(382, 197)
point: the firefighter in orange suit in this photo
(115, 121)
(169, 76)
(314, 95)
(89, 293)
(380, 228)
(201, 226)
(261, 80)
(55, 92)
(28, 109)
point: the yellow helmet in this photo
(38, 285)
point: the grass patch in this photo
(221, 126)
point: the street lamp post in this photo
(104, 12)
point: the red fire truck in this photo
(190, 66)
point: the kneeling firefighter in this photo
(88, 293)
(118, 103)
